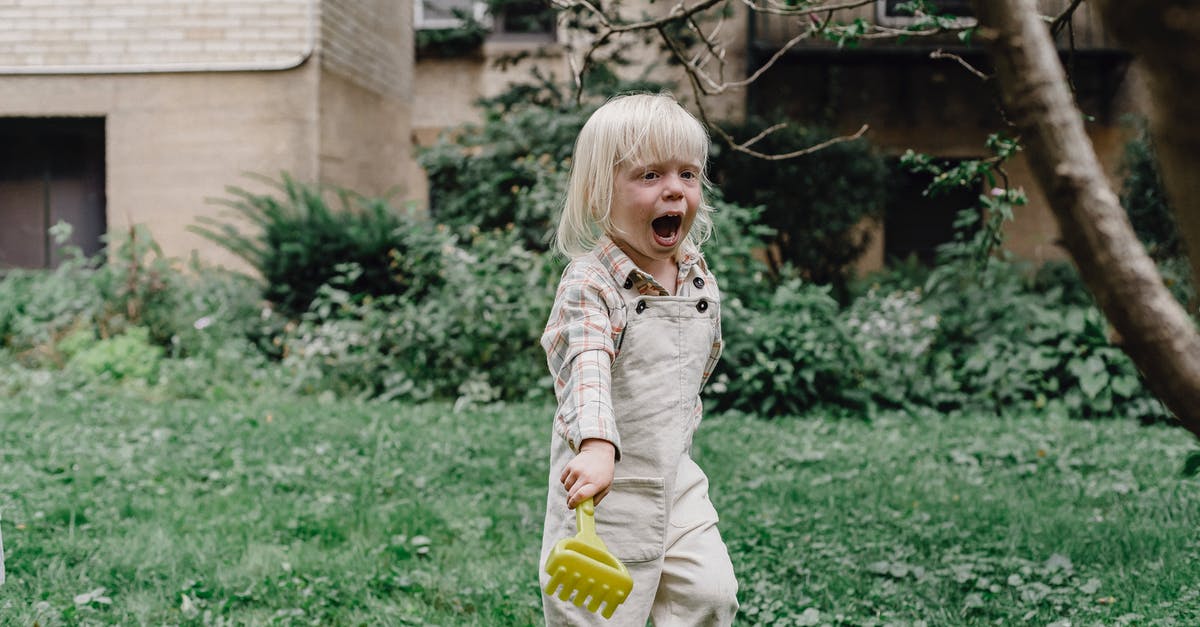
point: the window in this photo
(439, 14)
(505, 18)
(523, 18)
(915, 225)
(888, 13)
(51, 170)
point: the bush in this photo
(1145, 200)
(479, 176)
(493, 175)
(815, 203)
(735, 253)
(300, 238)
(476, 338)
(791, 355)
(134, 315)
(1001, 338)
(128, 356)
(895, 332)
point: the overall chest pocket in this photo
(632, 519)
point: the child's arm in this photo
(590, 474)
(579, 350)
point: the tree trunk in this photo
(1156, 332)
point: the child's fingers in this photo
(577, 496)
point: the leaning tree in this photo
(1153, 328)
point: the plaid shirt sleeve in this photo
(579, 351)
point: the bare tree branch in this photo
(1064, 18)
(939, 54)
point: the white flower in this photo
(202, 323)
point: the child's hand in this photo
(590, 474)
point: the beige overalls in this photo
(657, 518)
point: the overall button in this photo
(702, 306)
(628, 283)
(641, 306)
(698, 282)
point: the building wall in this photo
(366, 96)
(197, 94)
(173, 141)
(446, 89)
(938, 108)
(85, 36)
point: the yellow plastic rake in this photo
(584, 566)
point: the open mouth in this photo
(666, 230)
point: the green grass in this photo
(288, 511)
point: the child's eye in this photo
(649, 176)
(688, 175)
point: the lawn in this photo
(118, 510)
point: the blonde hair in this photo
(636, 129)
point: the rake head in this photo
(582, 565)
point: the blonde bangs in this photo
(630, 131)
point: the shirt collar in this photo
(624, 270)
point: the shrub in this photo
(895, 333)
(791, 355)
(815, 203)
(736, 256)
(479, 176)
(1145, 200)
(475, 338)
(1001, 339)
(128, 356)
(121, 315)
(300, 238)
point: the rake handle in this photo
(585, 518)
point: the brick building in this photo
(115, 113)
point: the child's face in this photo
(653, 208)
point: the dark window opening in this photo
(523, 18)
(51, 170)
(915, 225)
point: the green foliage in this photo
(788, 356)
(451, 42)
(895, 331)
(480, 177)
(475, 338)
(128, 356)
(815, 203)
(131, 314)
(995, 338)
(38, 307)
(1145, 200)
(978, 230)
(299, 238)
(735, 253)
(510, 170)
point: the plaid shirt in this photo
(585, 325)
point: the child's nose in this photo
(673, 187)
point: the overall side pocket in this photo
(631, 520)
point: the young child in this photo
(634, 333)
